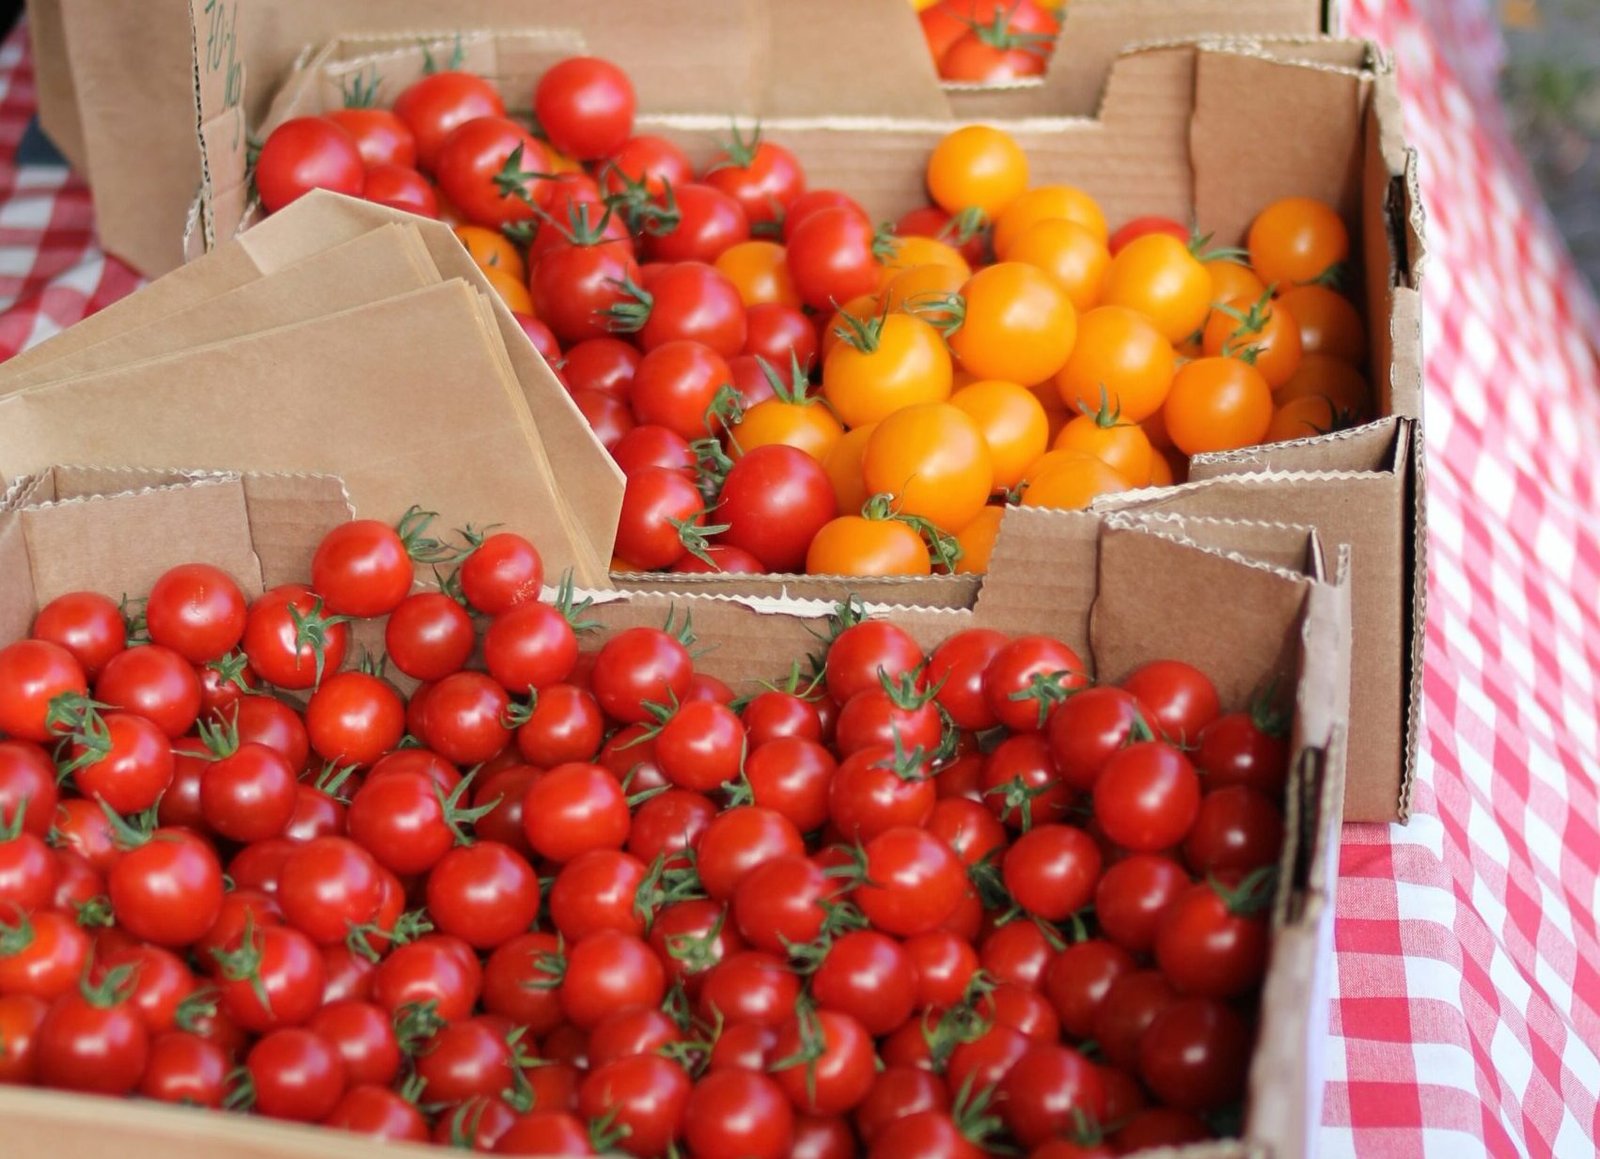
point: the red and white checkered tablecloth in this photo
(1466, 1006)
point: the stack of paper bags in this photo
(337, 337)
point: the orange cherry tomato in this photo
(1158, 276)
(892, 361)
(861, 309)
(856, 545)
(760, 272)
(1231, 279)
(513, 290)
(1055, 411)
(1120, 352)
(491, 249)
(1019, 325)
(927, 292)
(977, 167)
(1331, 378)
(1217, 404)
(1123, 446)
(1302, 418)
(1046, 203)
(804, 424)
(1070, 254)
(1160, 470)
(933, 461)
(1073, 483)
(1297, 240)
(1262, 332)
(1013, 423)
(977, 541)
(843, 465)
(1329, 323)
(909, 253)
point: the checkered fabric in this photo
(1466, 1007)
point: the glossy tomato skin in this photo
(248, 795)
(154, 682)
(429, 636)
(565, 725)
(606, 971)
(503, 571)
(1051, 870)
(831, 258)
(709, 222)
(33, 673)
(733, 1114)
(87, 624)
(654, 161)
(1048, 1090)
(656, 504)
(1129, 1007)
(472, 160)
(137, 766)
(762, 177)
(1077, 979)
(915, 881)
(185, 1068)
(956, 667)
(92, 1044)
(303, 154)
(870, 977)
(777, 332)
(774, 501)
(697, 302)
(465, 720)
(433, 106)
(575, 284)
(1195, 1054)
(1027, 677)
(1210, 947)
(273, 643)
(1133, 894)
(167, 891)
(484, 893)
(1088, 728)
(676, 384)
(842, 1074)
(640, 666)
(380, 136)
(434, 968)
(572, 809)
(354, 718)
(1236, 750)
(585, 105)
(1147, 797)
(296, 1075)
(1237, 828)
(1178, 698)
(196, 610)
(858, 652)
(27, 786)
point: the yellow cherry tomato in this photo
(862, 309)
(492, 250)
(1055, 411)
(1302, 418)
(843, 466)
(1120, 352)
(1073, 257)
(513, 290)
(1158, 276)
(1019, 326)
(1046, 203)
(1297, 240)
(932, 459)
(856, 545)
(806, 425)
(1048, 462)
(1231, 279)
(1262, 332)
(892, 361)
(911, 252)
(977, 167)
(1013, 423)
(1329, 323)
(1217, 404)
(1331, 378)
(1073, 483)
(977, 541)
(926, 291)
(1160, 470)
(760, 272)
(1122, 446)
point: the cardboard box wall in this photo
(116, 97)
(1129, 589)
(1165, 140)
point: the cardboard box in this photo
(117, 97)
(1165, 141)
(339, 337)
(1250, 602)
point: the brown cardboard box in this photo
(1251, 602)
(338, 337)
(117, 97)
(1165, 141)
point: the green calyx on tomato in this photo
(944, 549)
(667, 884)
(360, 91)
(1001, 35)
(739, 151)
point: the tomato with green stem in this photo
(33, 673)
(1028, 678)
(167, 889)
(1298, 240)
(492, 170)
(823, 1061)
(581, 277)
(608, 971)
(686, 301)
(93, 1039)
(884, 364)
(1176, 698)
(1212, 940)
(564, 724)
(291, 638)
(663, 513)
(675, 386)
(693, 222)
(762, 177)
(913, 881)
(738, 1114)
(502, 571)
(773, 502)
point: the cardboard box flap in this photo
(391, 258)
(289, 515)
(1380, 447)
(53, 81)
(1093, 32)
(293, 398)
(1310, 146)
(81, 542)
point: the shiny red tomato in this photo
(774, 501)
(381, 137)
(762, 177)
(433, 106)
(1147, 797)
(585, 106)
(87, 624)
(1029, 677)
(291, 637)
(1178, 699)
(832, 258)
(489, 169)
(662, 510)
(303, 154)
(428, 636)
(696, 223)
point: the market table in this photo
(1466, 998)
